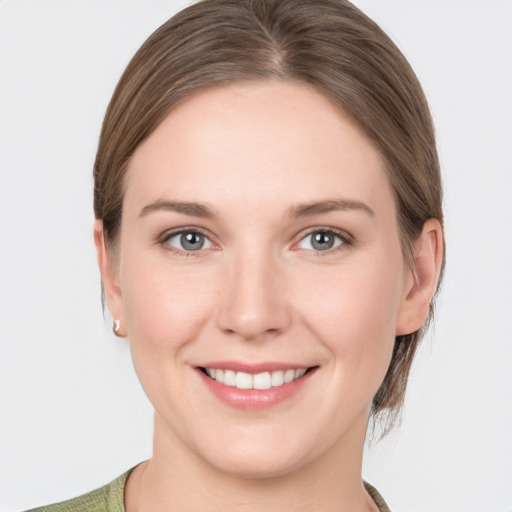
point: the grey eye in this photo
(321, 240)
(192, 241)
(189, 241)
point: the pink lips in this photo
(254, 398)
(239, 366)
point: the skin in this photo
(258, 291)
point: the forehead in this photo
(276, 140)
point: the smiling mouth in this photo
(263, 380)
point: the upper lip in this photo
(254, 368)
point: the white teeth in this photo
(299, 373)
(243, 380)
(289, 376)
(229, 378)
(264, 380)
(277, 378)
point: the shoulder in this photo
(377, 498)
(109, 498)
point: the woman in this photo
(270, 237)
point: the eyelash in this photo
(163, 241)
(346, 241)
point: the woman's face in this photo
(258, 238)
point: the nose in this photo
(254, 303)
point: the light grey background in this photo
(72, 414)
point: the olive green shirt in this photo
(110, 498)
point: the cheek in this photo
(165, 306)
(353, 312)
(355, 301)
(165, 310)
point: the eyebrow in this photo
(297, 211)
(330, 205)
(186, 208)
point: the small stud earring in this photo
(117, 327)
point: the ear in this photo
(421, 279)
(109, 278)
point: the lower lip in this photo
(255, 398)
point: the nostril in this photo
(254, 306)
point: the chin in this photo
(257, 467)
(261, 457)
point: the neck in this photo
(175, 478)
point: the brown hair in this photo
(328, 44)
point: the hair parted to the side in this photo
(328, 44)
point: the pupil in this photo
(322, 241)
(192, 241)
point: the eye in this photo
(189, 241)
(322, 240)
